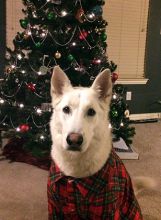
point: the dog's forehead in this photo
(77, 95)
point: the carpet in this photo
(23, 193)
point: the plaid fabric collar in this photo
(88, 185)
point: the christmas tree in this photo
(71, 34)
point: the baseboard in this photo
(145, 116)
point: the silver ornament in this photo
(43, 70)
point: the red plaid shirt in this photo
(108, 194)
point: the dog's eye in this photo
(91, 112)
(66, 110)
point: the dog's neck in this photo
(85, 164)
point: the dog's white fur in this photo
(97, 144)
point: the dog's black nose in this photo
(74, 140)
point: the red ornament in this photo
(24, 127)
(31, 87)
(83, 35)
(114, 77)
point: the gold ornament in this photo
(26, 36)
(8, 69)
(57, 55)
(80, 16)
(127, 113)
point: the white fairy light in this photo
(1, 101)
(18, 129)
(42, 137)
(43, 34)
(122, 124)
(39, 111)
(74, 44)
(23, 71)
(114, 96)
(13, 66)
(19, 56)
(98, 61)
(21, 105)
(63, 13)
(79, 68)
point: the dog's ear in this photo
(103, 85)
(59, 82)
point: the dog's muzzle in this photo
(74, 141)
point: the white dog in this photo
(87, 180)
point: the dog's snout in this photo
(74, 139)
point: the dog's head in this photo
(80, 115)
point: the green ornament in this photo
(104, 36)
(38, 44)
(70, 57)
(51, 16)
(24, 23)
(114, 113)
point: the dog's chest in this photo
(87, 198)
(84, 201)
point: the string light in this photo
(122, 124)
(21, 105)
(18, 129)
(43, 34)
(74, 44)
(13, 66)
(64, 13)
(19, 56)
(38, 111)
(1, 101)
(42, 137)
(114, 96)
